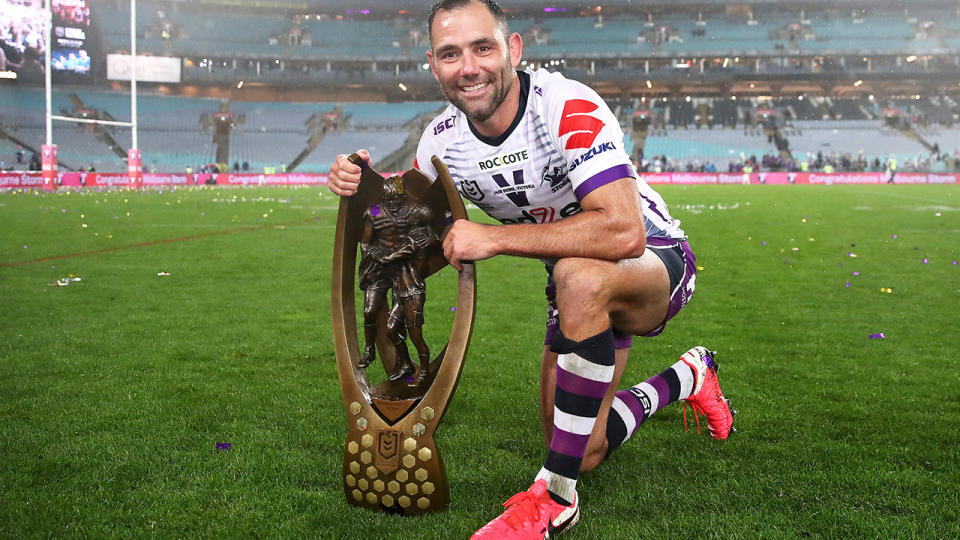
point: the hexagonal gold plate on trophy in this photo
(391, 461)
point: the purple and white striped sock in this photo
(631, 407)
(584, 371)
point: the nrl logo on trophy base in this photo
(390, 461)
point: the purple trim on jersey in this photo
(653, 206)
(681, 295)
(602, 178)
(660, 241)
(581, 386)
(568, 444)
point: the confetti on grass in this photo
(880, 335)
(63, 282)
(224, 446)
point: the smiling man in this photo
(544, 156)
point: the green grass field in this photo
(115, 390)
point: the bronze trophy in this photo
(390, 460)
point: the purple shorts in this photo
(681, 265)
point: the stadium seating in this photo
(379, 143)
(859, 137)
(172, 137)
(387, 115)
(279, 46)
(948, 139)
(797, 108)
(332, 39)
(717, 146)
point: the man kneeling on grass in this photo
(544, 155)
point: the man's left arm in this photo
(609, 227)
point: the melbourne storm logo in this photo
(557, 177)
(471, 190)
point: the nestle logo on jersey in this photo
(504, 160)
(596, 150)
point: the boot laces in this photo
(696, 407)
(521, 508)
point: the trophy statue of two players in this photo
(391, 461)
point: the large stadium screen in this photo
(24, 44)
(71, 26)
(22, 37)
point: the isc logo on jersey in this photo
(504, 160)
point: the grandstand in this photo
(176, 133)
(703, 84)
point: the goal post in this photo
(49, 152)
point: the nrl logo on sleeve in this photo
(504, 160)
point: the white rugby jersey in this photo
(563, 144)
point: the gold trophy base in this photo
(394, 469)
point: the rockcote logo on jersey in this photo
(577, 120)
(504, 160)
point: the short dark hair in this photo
(447, 5)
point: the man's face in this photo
(393, 202)
(471, 60)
